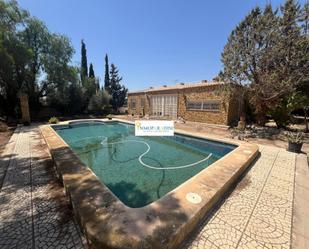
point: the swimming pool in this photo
(142, 192)
(139, 170)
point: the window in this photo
(194, 105)
(207, 105)
(211, 105)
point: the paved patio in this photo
(258, 213)
(34, 212)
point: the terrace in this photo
(267, 207)
(88, 162)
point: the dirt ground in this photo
(224, 132)
(5, 137)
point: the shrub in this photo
(281, 114)
(99, 102)
(53, 120)
(295, 137)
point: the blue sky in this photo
(153, 42)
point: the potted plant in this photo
(109, 116)
(53, 120)
(295, 140)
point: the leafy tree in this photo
(106, 77)
(35, 61)
(14, 56)
(118, 92)
(281, 113)
(56, 65)
(61, 79)
(14, 59)
(76, 98)
(266, 54)
(99, 102)
(11, 15)
(67, 97)
(91, 71)
(32, 60)
(84, 65)
(36, 37)
(90, 86)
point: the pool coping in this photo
(165, 223)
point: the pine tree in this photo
(106, 77)
(266, 55)
(84, 66)
(118, 92)
(91, 71)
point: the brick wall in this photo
(234, 112)
(227, 114)
(138, 98)
(202, 94)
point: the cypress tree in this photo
(84, 66)
(106, 77)
(91, 71)
(118, 91)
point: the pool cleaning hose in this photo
(140, 158)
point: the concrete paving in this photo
(258, 213)
(34, 211)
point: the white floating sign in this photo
(154, 128)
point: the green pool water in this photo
(121, 161)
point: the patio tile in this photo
(260, 207)
(268, 234)
(236, 210)
(34, 212)
(16, 233)
(220, 234)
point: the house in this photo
(199, 102)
